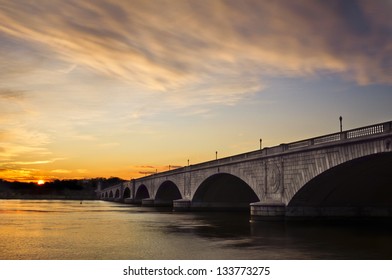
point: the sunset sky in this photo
(105, 88)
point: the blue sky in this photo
(115, 88)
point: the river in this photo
(95, 230)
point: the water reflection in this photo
(288, 240)
(104, 230)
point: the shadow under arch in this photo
(223, 191)
(167, 192)
(127, 193)
(111, 194)
(361, 187)
(141, 193)
(117, 195)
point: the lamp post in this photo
(261, 143)
(216, 155)
(341, 127)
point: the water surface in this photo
(43, 229)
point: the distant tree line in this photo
(57, 189)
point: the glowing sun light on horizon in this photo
(41, 182)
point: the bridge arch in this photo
(127, 193)
(117, 193)
(111, 194)
(167, 192)
(223, 191)
(359, 187)
(141, 193)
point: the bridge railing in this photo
(341, 136)
(370, 130)
(299, 144)
(327, 138)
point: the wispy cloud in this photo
(30, 162)
(18, 174)
(61, 171)
(27, 170)
(8, 94)
(68, 69)
(172, 46)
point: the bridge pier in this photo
(267, 211)
(220, 206)
(129, 201)
(163, 203)
(148, 202)
(182, 205)
(188, 205)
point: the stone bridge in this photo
(345, 174)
